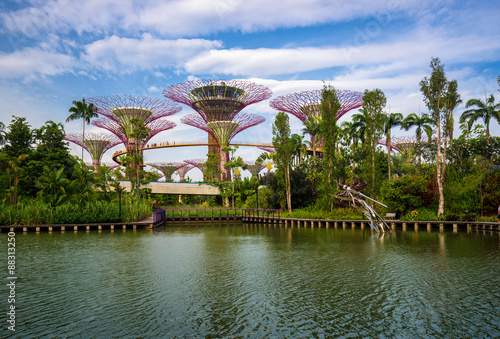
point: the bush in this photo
(37, 212)
(405, 194)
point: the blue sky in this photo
(55, 51)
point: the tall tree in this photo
(434, 90)
(452, 100)
(139, 133)
(19, 138)
(13, 173)
(391, 120)
(373, 106)
(328, 109)
(284, 153)
(84, 111)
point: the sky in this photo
(53, 52)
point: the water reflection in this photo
(255, 280)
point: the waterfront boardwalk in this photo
(172, 217)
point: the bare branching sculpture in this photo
(352, 195)
(95, 143)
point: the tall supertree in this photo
(224, 131)
(182, 171)
(167, 168)
(218, 103)
(129, 112)
(95, 143)
(305, 105)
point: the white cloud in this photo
(125, 55)
(195, 17)
(29, 62)
(408, 52)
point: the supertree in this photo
(201, 164)
(254, 168)
(407, 144)
(224, 131)
(182, 171)
(119, 130)
(218, 101)
(305, 105)
(131, 112)
(167, 168)
(94, 143)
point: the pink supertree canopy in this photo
(217, 100)
(240, 123)
(118, 129)
(123, 108)
(305, 105)
(406, 144)
(94, 143)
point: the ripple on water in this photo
(233, 281)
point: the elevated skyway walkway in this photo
(168, 144)
(162, 187)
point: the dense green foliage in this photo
(40, 182)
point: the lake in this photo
(255, 280)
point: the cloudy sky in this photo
(55, 51)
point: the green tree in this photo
(3, 137)
(137, 136)
(373, 105)
(313, 126)
(452, 100)
(423, 124)
(19, 138)
(82, 185)
(84, 111)
(13, 173)
(329, 107)
(103, 179)
(284, 153)
(52, 185)
(391, 120)
(434, 90)
(486, 110)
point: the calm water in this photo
(234, 280)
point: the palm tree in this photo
(424, 123)
(313, 127)
(299, 148)
(391, 120)
(3, 137)
(13, 173)
(267, 159)
(484, 110)
(452, 100)
(359, 121)
(82, 110)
